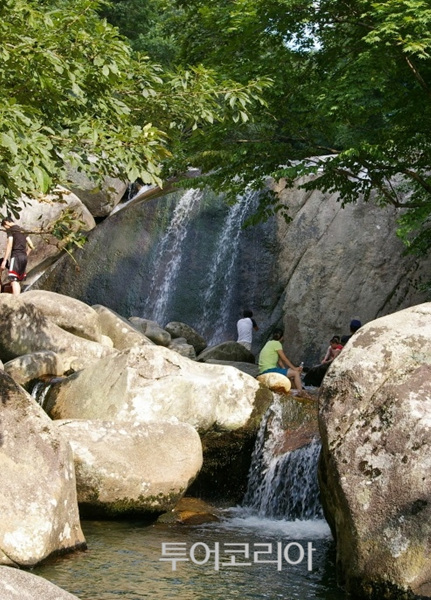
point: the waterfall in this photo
(282, 485)
(218, 296)
(199, 270)
(40, 391)
(169, 256)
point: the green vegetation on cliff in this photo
(352, 82)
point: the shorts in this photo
(17, 267)
(276, 370)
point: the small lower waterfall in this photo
(40, 391)
(282, 485)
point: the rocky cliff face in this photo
(184, 257)
(336, 263)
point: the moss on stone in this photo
(144, 507)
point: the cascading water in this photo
(183, 256)
(257, 556)
(283, 485)
(168, 262)
(204, 269)
(40, 391)
(218, 296)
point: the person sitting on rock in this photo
(355, 324)
(333, 351)
(273, 360)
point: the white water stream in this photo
(282, 485)
(218, 294)
(168, 261)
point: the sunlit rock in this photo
(34, 366)
(24, 329)
(39, 215)
(122, 333)
(68, 313)
(16, 584)
(275, 382)
(38, 505)
(374, 412)
(131, 468)
(152, 383)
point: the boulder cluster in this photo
(126, 407)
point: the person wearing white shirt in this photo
(245, 328)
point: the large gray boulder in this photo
(38, 504)
(152, 383)
(182, 330)
(374, 412)
(336, 262)
(125, 467)
(122, 333)
(227, 351)
(24, 329)
(69, 314)
(21, 585)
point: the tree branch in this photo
(417, 76)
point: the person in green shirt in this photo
(272, 359)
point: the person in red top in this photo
(18, 247)
(333, 351)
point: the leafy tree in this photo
(73, 94)
(351, 88)
(142, 22)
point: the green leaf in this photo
(8, 142)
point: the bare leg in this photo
(296, 376)
(16, 288)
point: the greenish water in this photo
(123, 561)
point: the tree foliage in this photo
(143, 23)
(339, 90)
(73, 94)
(350, 104)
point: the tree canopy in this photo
(242, 89)
(73, 94)
(350, 103)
